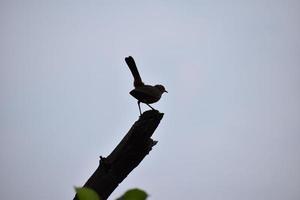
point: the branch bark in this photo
(127, 155)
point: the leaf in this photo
(85, 193)
(134, 194)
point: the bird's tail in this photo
(132, 66)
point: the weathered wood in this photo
(127, 155)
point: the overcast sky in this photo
(232, 115)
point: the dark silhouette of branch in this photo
(127, 155)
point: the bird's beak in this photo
(166, 91)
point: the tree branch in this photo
(127, 155)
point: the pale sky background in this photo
(232, 115)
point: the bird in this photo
(146, 94)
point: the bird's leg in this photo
(139, 107)
(150, 107)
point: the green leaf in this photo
(85, 193)
(134, 194)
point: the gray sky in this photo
(232, 114)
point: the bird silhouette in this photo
(147, 94)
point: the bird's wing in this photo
(146, 94)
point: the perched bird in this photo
(147, 94)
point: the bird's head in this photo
(161, 88)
